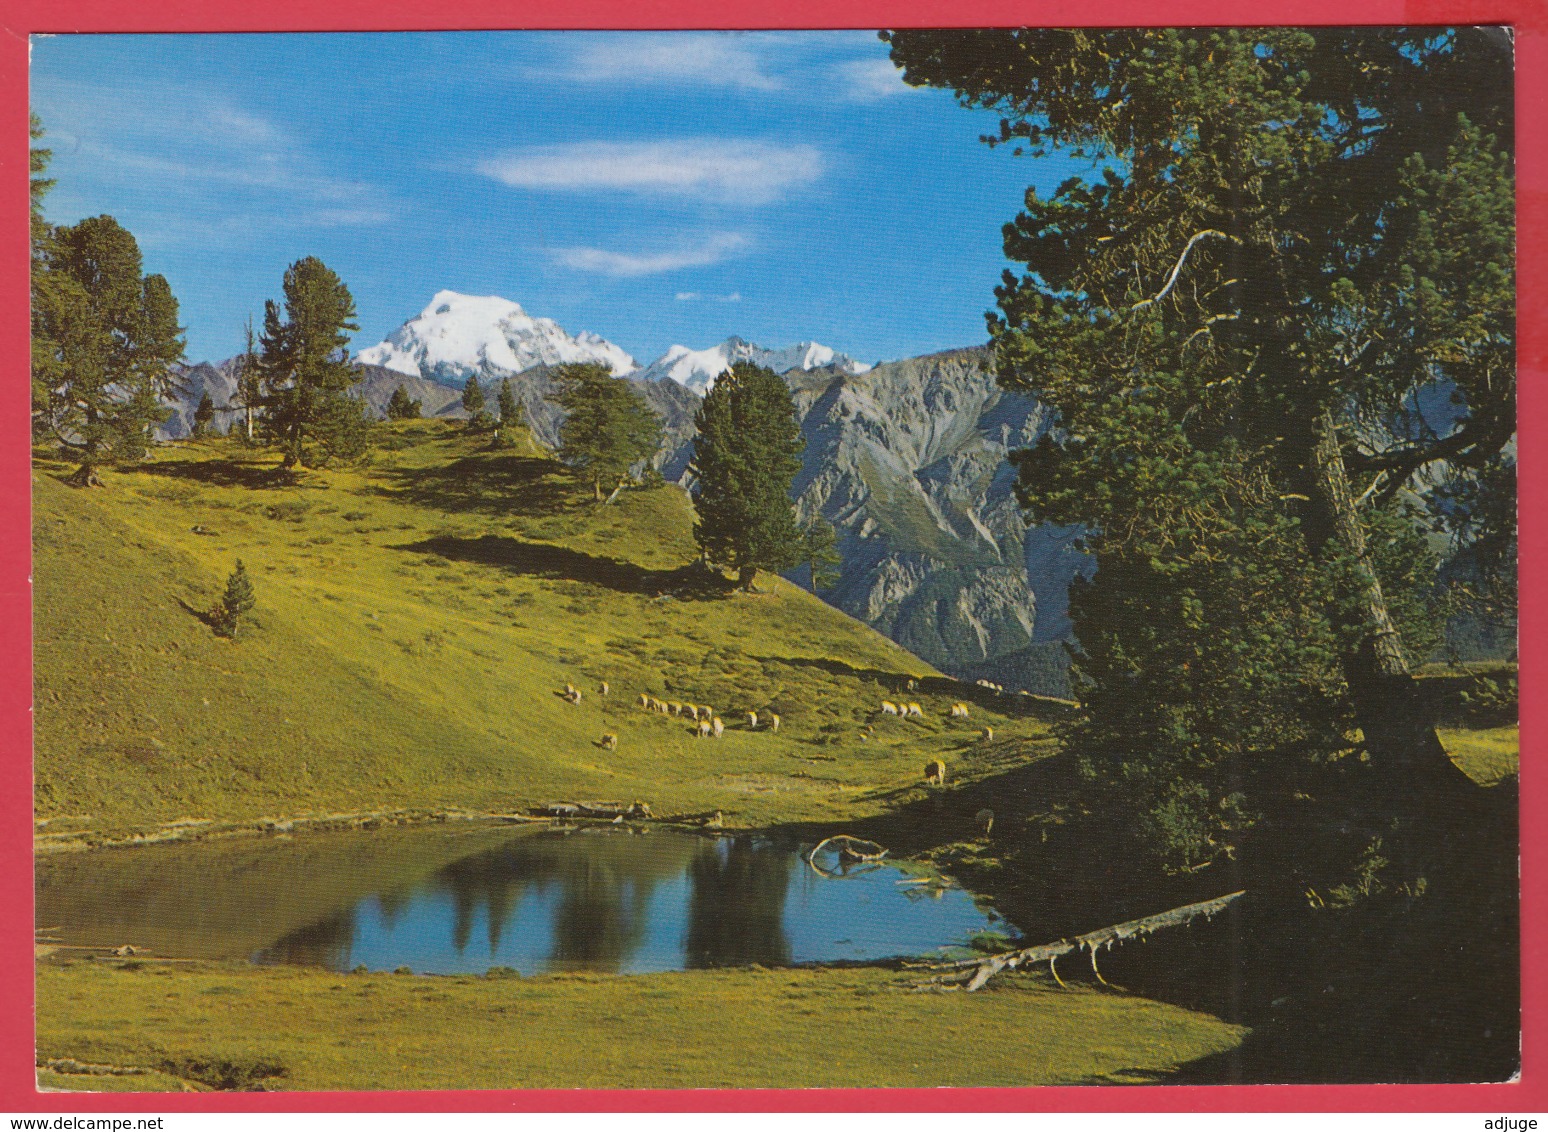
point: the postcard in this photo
(588, 559)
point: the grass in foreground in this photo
(417, 619)
(1487, 755)
(293, 1029)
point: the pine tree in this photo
(47, 369)
(819, 553)
(1296, 236)
(473, 402)
(235, 603)
(509, 410)
(307, 376)
(746, 456)
(400, 407)
(249, 383)
(608, 427)
(106, 345)
(203, 416)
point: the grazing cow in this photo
(773, 722)
(571, 694)
(569, 689)
(985, 819)
(717, 727)
(602, 688)
(752, 721)
(691, 711)
(889, 708)
(912, 684)
(987, 734)
(674, 707)
(914, 711)
(935, 772)
(959, 711)
(661, 706)
(703, 730)
(610, 741)
(716, 821)
(644, 702)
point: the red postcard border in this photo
(18, 1092)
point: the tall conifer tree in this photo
(106, 344)
(1296, 240)
(307, 375)
(473, 402)
(746, 455)
(608, 428)
(510, 412)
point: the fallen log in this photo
(974, 973)
(849, 848)
(604, 811)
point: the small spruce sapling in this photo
(234, 604)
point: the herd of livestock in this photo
(708, 725)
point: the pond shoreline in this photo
(194, 830)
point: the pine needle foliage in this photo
(402, 407)
(106, 347)
(1280, 306)
(746, 455)
(608, 429)
(510, 412)
(309, 413)
(235, 604)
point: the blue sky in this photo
(655, 188)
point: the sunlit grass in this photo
(1487, 755)
(416, 619)
(696, 1029)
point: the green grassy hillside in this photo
(416, 620)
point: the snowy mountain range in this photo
(457, 335)
(490, 337)
(698, 369)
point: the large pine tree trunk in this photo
(1397, 724)
(91, 456)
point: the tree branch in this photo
(1178, 266)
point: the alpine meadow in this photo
(1126, 696)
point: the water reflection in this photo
(323, 944)
(736, 909)
(593, 899)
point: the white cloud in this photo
(209, 157)
(871, 80)
(730, 170)
(687, 296)
(713, 249)
(684, 58)
(694, 296)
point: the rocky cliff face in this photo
(908, 463)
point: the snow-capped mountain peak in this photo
(698, 369)
(457, 335)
